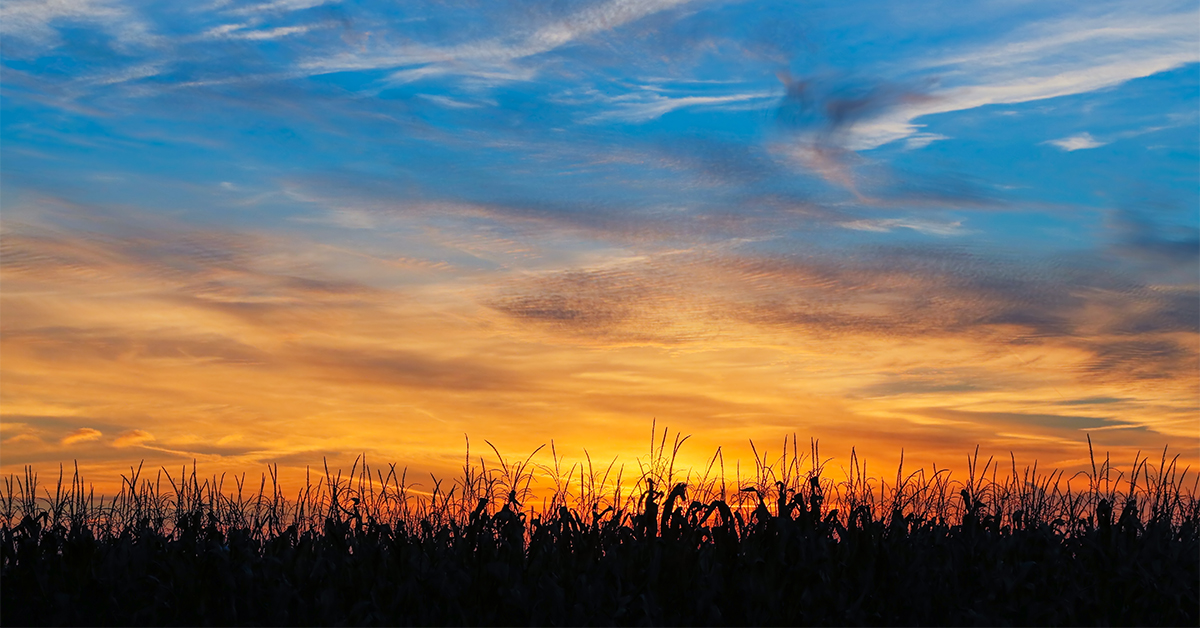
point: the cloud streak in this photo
(1062, 58)
(36, 21)
(492, 59)
(1082, 141)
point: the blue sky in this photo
(652, 176)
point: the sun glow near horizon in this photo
(241, 367)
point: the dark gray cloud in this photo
(830, 104)
(388, 367)
(92, 254)
(615, 304)
(1044, 421)
(1136, 234)
(57, 426)
(921, 386)
(1143, 359)
(1090, 401)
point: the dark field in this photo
(785, 547)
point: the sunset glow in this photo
(245, 234)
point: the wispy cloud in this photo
(453, 103)
(1076, 36)
(278, 6)
(923, 226)
(242, 31)
(650, 105)
(921, 140)
(1082, 141)
(35, 21)
(1060, 58)
(491, 59)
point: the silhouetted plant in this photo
(786, 546)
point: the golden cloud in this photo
(81, 435)
(21, 438)
(132, 438)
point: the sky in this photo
(252, 233)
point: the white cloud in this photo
(1083, 141)
(126, 75)
(649, 105)
(1059, 59)
(33, 20)
(597, 18)
(1074, 39)
(270, 33)
(885, 225)
(492, 59)
(452, 103)
(921, 140)
(223, 30)
(280, 5)
(479, 74)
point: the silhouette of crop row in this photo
(785, 546)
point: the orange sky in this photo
(167, 343)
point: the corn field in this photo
(513, 542)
